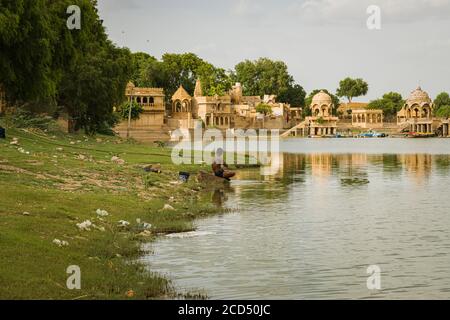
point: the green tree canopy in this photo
(26, 50)
(390, 103)
(257, 77)
(352, 88)
(264, 108)
(136, 110)
(215, 81)
(295, 95)
(441, 104)
(443, 111)
(95, 76)
(41, 60)
(265, 76)
(95, 85)
(176, 69)
(145, 70)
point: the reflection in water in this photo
(219, 197)
(312, 230)
(418, 165)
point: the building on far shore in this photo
(346, 109)
(236, 111)
(151, 123)
(322, 122)
(367, 118)
(417, 113)
(446, 128)
(232, 110)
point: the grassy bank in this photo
(50, 182)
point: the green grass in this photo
(59, 188)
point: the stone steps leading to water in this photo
(144, 134)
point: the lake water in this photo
(336, 207)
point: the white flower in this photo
(143, 225)
(123, 223)
(60, 243)
(86, 225)
(102, 213)
(146, 226)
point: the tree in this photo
(352, 88)
(144, 72)
(149, 72)
(90, 90)
(390, 103)
(265, 76)
(308, 101)
(26, 51)
(94, 71)
(180, 69)
(264, 109)
(136, 110)
(294, 95)
(43, 63)
(443, 111)
(442, 101)
(215, 81)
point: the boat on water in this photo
(325, 136)
(421, 135)
(372, 134)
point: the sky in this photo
(321, 41)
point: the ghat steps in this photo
(147, 134)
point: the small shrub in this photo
(136, 110)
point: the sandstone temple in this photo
(417, 113)
(235, 110)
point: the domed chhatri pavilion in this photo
(417, 112)
(322, 122)
(321, 105)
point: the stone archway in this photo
(178, 106)
(316, 112)
(186, 106)
(426, 111)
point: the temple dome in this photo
(181, 94)
(322, 98)
(418, 96)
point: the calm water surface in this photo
(335, 207)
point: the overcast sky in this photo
(322, 41)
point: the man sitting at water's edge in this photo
(220, 168)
